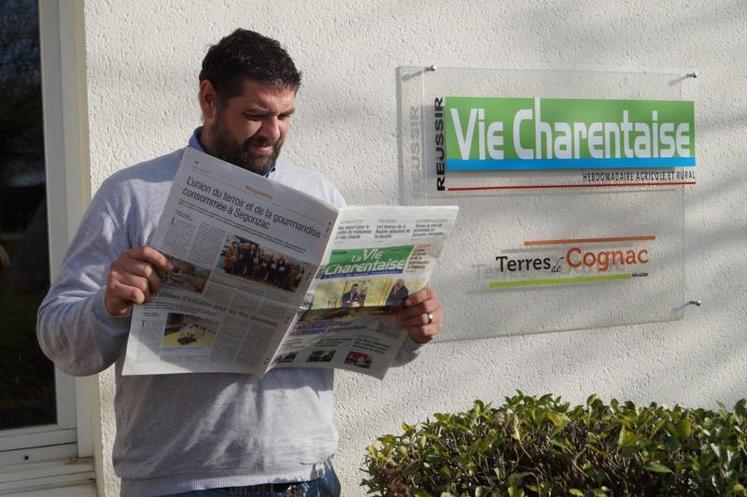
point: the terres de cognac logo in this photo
(575, 260)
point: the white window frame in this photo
(57, 459)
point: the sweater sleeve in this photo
(73, 328)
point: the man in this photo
(351, 298)
(241, 435)
(397, 294)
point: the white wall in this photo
(143, 59)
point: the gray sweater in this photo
(182, 432)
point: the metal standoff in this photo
(430, 68)
(691, 75)
(695, 302)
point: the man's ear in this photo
(208, 102)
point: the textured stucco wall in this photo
(142, 62)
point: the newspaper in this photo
(267, 276)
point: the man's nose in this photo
(271, 128)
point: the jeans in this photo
(326, 486)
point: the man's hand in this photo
(133, 280)
(421, 317)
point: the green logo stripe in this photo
(559, 281)
(494, 129)
(383, 254)
(371, 261)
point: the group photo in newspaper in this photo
(264, 276)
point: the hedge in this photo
(543, 446)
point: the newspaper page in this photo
(244, 250)
(380, 255)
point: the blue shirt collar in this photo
(194, 142)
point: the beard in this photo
(239, 154)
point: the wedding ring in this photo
(430, 317)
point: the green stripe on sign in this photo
(558, 281)
(494, 129)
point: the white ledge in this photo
(39, 479)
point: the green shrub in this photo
(544, 447)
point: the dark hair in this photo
(245, 55)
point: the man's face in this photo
(248, 130)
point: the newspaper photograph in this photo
(263, 276)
